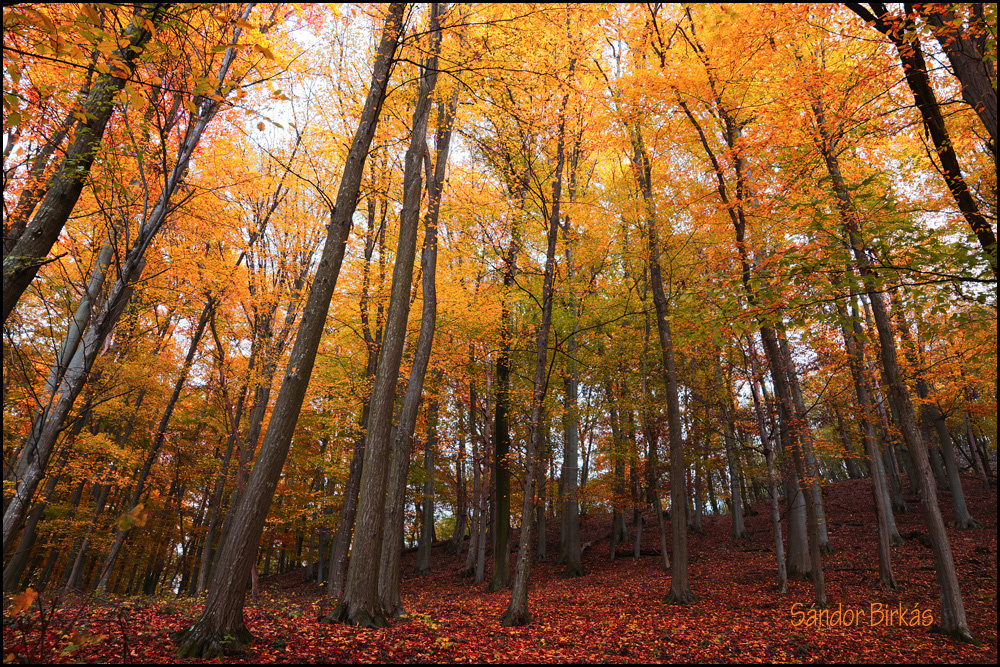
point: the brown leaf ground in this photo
(613, 614)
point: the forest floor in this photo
(615, 613)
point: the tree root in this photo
(363, 618)
(962, 635)
(686, 597)
(515, 619)
(571, 572)
(198, 642)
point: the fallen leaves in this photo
(613, 614)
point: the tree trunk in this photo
(680, 590)
(360, 604)
(66, 184)
(649, 433)
(541, 543)
(953, 620)
(423, 564)
(517, 612)
(932, 416)
(461, 490)
(779, 372)
(570, 538)
(772, 472)
(477, 481)
(223, 613)
(966, 48)
(853, 470)
(808, 446)
(392, 537)
(912, 58)
(485, 485)
(501, 426)
(882, 510)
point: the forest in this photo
(458, 332)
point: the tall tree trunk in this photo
(932, 415)
(808, 446)
(966, 49)
(360, 604)
(348, 511)
(477, 480)
(215, 502)
(423, 563)
(485, 485)
(570, 540)
(67, 351)
(392, 534)
(223, 612)
(461, 490)
(501, 423)
(649, 433)
(853, 470)
(953, 620)
(882, 510)
(541, 543)
(772, 472)
(517, 612)
(680, 589)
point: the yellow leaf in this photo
(23, 601)
(264, 51)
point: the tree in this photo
(360, 604)
(223, 613)
(914, 67)
(38, 449)
(63, 188)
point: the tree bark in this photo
(501, 423)
(570, 540)
(808, 446)
(392, 536)
(652, 462)
(772, 472)
(680, 589)
(965, 48)
(360, 604)
(223, 612)
(423, 564)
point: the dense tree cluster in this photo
(301, 286)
